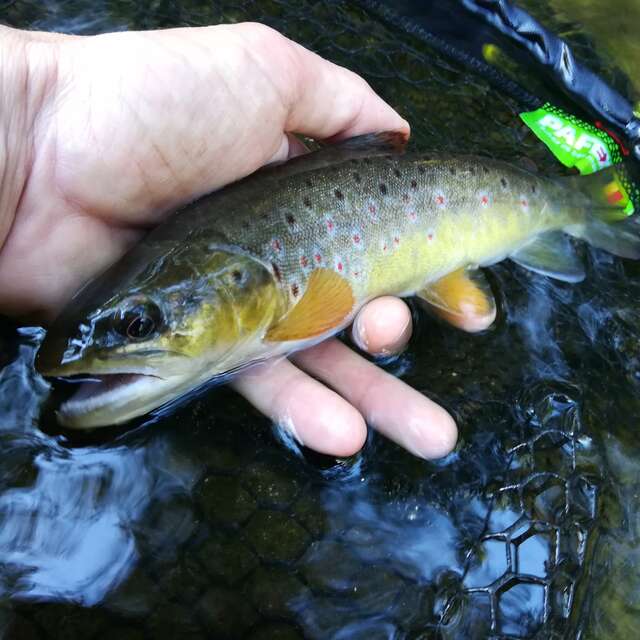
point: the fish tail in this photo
(608, 225)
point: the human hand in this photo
(106, 135)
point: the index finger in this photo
(334, 102)
(323, 99)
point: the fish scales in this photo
(392, 224)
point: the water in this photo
(203, 525)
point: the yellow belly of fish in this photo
(465, 240)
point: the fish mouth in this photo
(110, 399)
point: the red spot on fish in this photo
(356, 238)
(356, 274)
(304, 262)
(317, 258)
(412, 216)
(430, 237)
(524, 203)
(396, 240)
(440, 200)
(295, 290)
(276, 272)
(340, 267)
(485, 200)
(330, 224)
(276, 245)
(372, 208)
(384, 247)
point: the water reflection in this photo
(68, 516)
(68, 536)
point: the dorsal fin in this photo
(326, 304)
(374, 143)
(365, 146)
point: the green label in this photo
(574, 142)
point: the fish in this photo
(286, 257)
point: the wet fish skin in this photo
(227, 273)
(391, 224)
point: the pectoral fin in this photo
(327, 302)
(553, 255)
(462, 298)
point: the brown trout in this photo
(285, 258)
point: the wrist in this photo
(24, 61)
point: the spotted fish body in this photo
(392, 224)
(286, 257)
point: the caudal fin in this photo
(614, 199)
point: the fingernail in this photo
(432, 441)
(359, 334)
(403, 337)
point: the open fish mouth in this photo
(109, 399)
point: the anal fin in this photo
(326, 304)
(463, 299)
(551, 254)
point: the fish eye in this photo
(138, 320)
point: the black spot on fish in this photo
(276, 271)
(290, 220)
(366, 160)
(485, 169)
(245, 225)
(383, 188)
(396, 173)
(237, 276)
(503, 182)
(452, 171)
(533, 188)
(354, 160)
(414, 184)
(421, 169)
(472, 171)
(338, 194)
(295, 290)
(306, 202)
(308, 183)
(357, 178)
